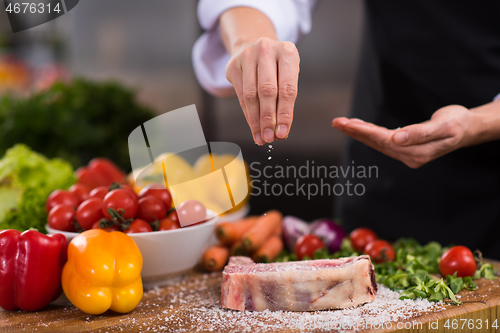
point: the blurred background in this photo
(147, 48)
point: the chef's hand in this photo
(450, 128)
(263, 71)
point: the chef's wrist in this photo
(484, 123)
(242, 43)
(243, 26)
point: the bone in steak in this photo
(298, 286)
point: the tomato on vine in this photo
(161, 193)
(458, 259)
(89, 212)
(361, 237)
(150, 209)
(138, 226)
(62, 217)
(307, 245)
(60, 197)
(380, 251)
(99, 192)
(168, 224)
(122, 202)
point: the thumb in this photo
(419, 133)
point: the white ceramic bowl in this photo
(166, 254)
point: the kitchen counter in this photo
(193, 304)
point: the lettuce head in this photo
(26, 180)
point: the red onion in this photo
(330, 233)
(293, 228)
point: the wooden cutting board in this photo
(193, 304)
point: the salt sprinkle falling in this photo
(269, 151)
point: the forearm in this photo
(242, 26)
(485, 123)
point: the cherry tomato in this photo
(80, 191)
(89, 212)
(168, 224)
(457, 259)
(91, 178)
(113, 227)
(99, 192)
(138, 226)
(173, 216)
(307, 245)
(60, 197)
(61, 217)
(130, 190)
(161, 193)
(191, 211)
(361, 237)
(120, 200)
(107, 168)
(380, 251)
(150, 209)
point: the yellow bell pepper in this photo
(103, 272)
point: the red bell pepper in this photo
(30, 269)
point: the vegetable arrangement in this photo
(26, 179)
(119, 208)
(258, 237)
(99, 201)
(406, 265)
(97, 271)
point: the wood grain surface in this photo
(193, 304)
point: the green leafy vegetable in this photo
(485, 270)
(26, 180)
(76, 121)
(469, 284)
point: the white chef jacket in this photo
(291, 20)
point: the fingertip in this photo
(339, 122)
(401, 137)
(268, 135)
(258, 139)
(281, 132)
(350, 126)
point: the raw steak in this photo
(298, 286)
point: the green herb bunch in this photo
(75, 121)
(414, 272)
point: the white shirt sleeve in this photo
(291, 20)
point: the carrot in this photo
(216, 257)
(261, 230)
(269, 250)
(230, 232)
(237, 249)
(278, 231)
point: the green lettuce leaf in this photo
(26, 180)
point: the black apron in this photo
(417, 57)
